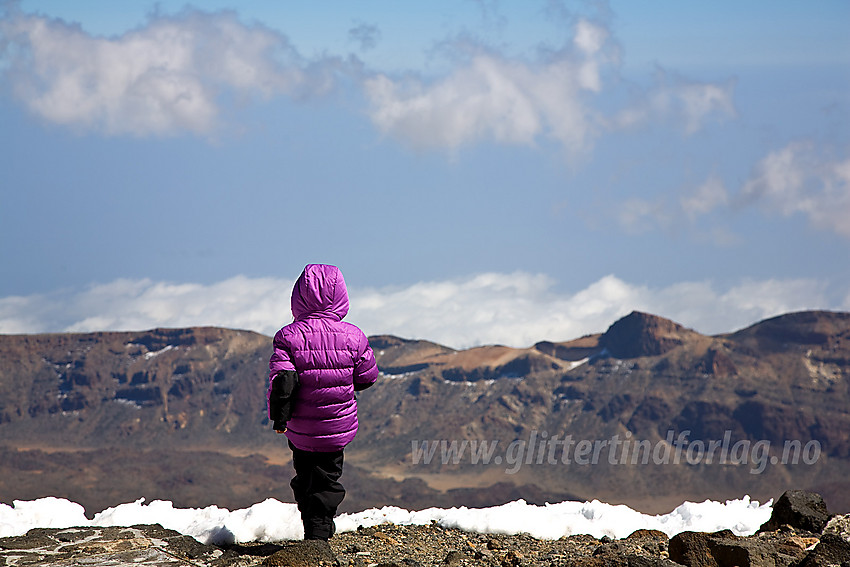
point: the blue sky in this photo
(481, 171)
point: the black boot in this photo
(318, 527)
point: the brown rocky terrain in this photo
(777, 386)
(101, 418)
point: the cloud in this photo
(709, 196)
(182, 72)
(797, 179)
(491, 97)
(557, 96)
(165, 77)
(520, 309)
(800, 179)
(687, 103)
(636, 216)
(516, 309)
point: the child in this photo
(318, 362)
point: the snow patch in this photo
(150, 355)
(272, 520)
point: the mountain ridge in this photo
(783, 379)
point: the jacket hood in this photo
(320, 292)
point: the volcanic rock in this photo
(798, 509)
(830, 551)
(310, 553)
(724, 548)
(429, 545)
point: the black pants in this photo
(317, 490)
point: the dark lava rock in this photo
(453, 558)
(834, 546)
(642, 548)
(721, 549)
(691, 549)
(747, 552)
(798, 509)
(839, 526)
(652, 541)
(617, 555)
(308, 553)
(35, 539)
(643, 534)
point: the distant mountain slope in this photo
(783, 380)
(155, 388)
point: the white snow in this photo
(576, 363)
(150, 355)
(272, 520)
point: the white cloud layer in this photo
(517, 309)
(162, 78)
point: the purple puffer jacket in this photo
(329, 355)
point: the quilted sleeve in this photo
(365, 367)
(278, 362)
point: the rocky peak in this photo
(641, 334)
(396, 355)
(819, 329)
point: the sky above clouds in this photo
(482, 172)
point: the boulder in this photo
(721, 549)
(833, 550)
(307, 553)
(692, 549)
(799, 509)
(839, 526)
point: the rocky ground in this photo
(800, 533)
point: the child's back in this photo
(331, 359)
